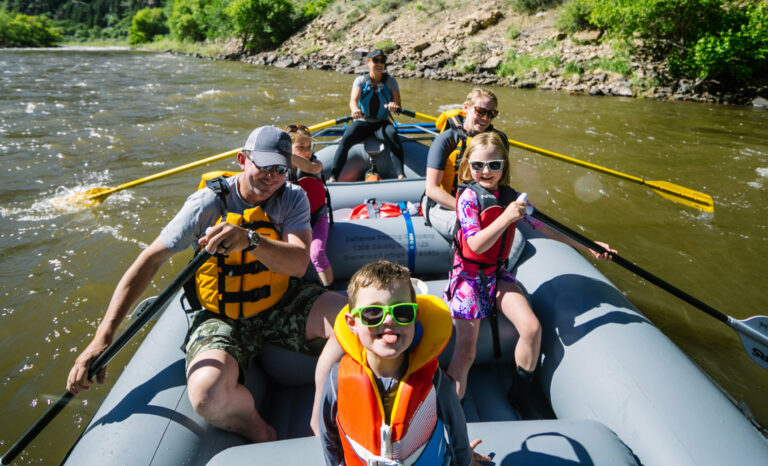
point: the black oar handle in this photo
(344, 119)
(537, 214)
(409, 113)
(104, 358)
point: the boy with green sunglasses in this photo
(387, 401)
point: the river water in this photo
(78, 118)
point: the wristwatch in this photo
(253, 240)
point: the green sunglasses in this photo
(374, 315)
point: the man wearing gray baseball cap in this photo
(259, 251)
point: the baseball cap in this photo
(269, 145)
(376, 53)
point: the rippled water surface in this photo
(74, 119)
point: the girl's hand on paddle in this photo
(606, 256)
(478, 459)
(77, 380)
(515, 211)
(357, 114)
(224, 238)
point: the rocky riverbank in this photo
(461, 43)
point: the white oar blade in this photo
(757, 350)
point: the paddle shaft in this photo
(726, 319)
(213, 158)
(165, 173)
(104, 358)
(669, 190)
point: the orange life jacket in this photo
(414, 434)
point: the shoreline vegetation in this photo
(696, 50)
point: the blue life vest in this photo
(373, 99)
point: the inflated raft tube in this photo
(147, 419)
(405, 240)
(532, 443)
(360, 157)
(603, 360)
(352, 194)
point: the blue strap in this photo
(411, 236)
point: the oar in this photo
(671, 191)
(95, 195)
(752, 331)
(141, 318)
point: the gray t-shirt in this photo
(446, 142)
(391, 83)
(288, 210)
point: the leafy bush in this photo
(146, 24)
(742, 53)
(700, 38)
(519, 64)
(312, 9)
(619, 63)
(513, 32)
(187, 21)
(390, 5)
(387, 46)
(431, 6)
(573, 17)
(261, 24)
(532, 6)
(27, 31)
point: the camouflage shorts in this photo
(283, 325)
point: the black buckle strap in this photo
(258, 224)
(231, 270)
(250, 296)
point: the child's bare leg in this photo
(326, 276)
(512, 303)
(464, 351)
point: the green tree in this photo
(262, 24)
(27, 31)
(146, 24)
(187, 21)
(717, 39)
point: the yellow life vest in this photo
(453, 119)
(239, 283)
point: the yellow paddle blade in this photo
(94, 196)
(88, 198)
(682, 195)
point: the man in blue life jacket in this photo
(258, 228)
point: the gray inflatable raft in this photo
(621, 391)
(349, 192)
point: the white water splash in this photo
(211, 93)
(760, 182)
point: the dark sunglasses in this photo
(373, 315)
(278, 169)
(294, 128)
(379, 61)
(483, 112)
(493, 165)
